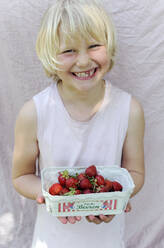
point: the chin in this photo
(86, 86)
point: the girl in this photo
(79, 120)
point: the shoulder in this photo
(120, 95)
(27, 118)
(44, 97)
(27, 111)
(46, 92)
(136, 109)
(136, 116)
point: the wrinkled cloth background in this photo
(139, 69)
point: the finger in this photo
(91, 218)
(78, 218)
(103, 217)
(128, 207)
(40, 199)
(106, 218)
(94, 219)
(97, 220)
(87, 218)
(62, 220)
(71, 220)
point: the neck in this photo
(85, 98)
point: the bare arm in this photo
(25, 153)
(133, 149)
(133, 155)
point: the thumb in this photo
(128, 207)
(40, 199)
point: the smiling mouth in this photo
(85, 75)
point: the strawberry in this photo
(100, 180)
(91, 171)
(108, 184)
(103, 189)
(117, 186)
(87, 191)
(81, 176)
(64, 191)
(62, 177)
(55, 189)
(71, 182)
(61, 180)
(85, 184)
(78, 192)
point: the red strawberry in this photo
(85, 184)
(55, 189)
(108, 184)
(62, 177)
(61, 180)
(87, 191)
(100, 180)
(64, 191)
(103, 189)
(81, 176)
(71, 182)
(91, 171)
(117, 186)
(77, 192)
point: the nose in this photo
(83, 59)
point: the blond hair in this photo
(76, 18)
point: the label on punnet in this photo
(87, 206)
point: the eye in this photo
(95, 45)
(68, 51)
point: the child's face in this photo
(84, 63)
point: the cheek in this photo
(66, 60)
(103, 60)
(101, 57)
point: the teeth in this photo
(85, 74)
(82, 74)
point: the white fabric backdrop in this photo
(139, 70)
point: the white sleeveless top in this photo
(67, 142)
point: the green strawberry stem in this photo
(71, 192)
(65, 174)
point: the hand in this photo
(70, 219)
(40, 199)
(105, 218)
(128, 208)
(64, 220)
(91, 218)
(100, 218)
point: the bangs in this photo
(76, 25)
